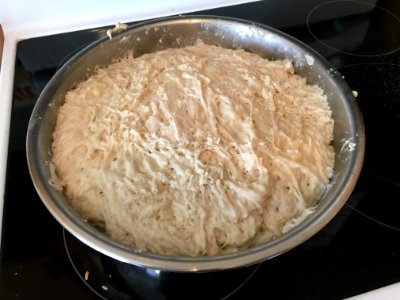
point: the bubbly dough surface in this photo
(194, 151)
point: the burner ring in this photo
(112, 279)
(378, 97)
(348, 27)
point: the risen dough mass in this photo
(194, 151)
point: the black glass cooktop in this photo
(356, 252)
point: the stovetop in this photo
(356, 252)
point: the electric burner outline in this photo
(353, 33)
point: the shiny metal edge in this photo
(249, 35)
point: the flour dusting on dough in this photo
(194, 151)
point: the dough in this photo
(194, 151)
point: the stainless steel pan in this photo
(349, 138)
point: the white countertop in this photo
(390, 292)
(26, 19)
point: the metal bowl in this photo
(349, 136)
